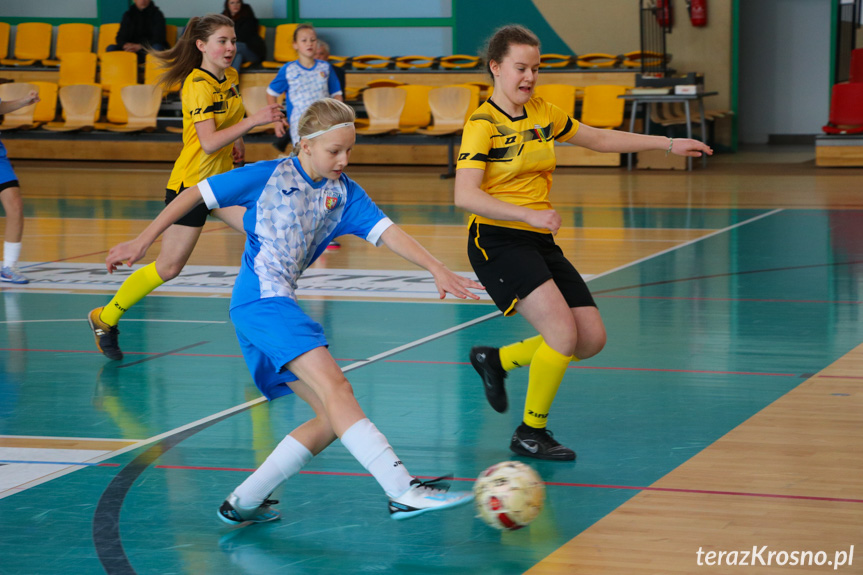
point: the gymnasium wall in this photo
(785, 48)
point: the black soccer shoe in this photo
(539, 444)
(486, 362)
(106, 335)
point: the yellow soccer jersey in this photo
(517, 154)
(205, 97)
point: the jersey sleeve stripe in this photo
(208, 195)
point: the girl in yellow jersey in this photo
(503, 177)
(213, 128)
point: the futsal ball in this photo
(508, 495)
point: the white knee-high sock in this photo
(371, 449)
(286, 460)
(11, 251)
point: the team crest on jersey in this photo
(331, 202)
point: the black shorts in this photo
(194, 219)
(512, 263)
(9, 184)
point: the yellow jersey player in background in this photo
(213, 128)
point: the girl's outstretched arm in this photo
(134, 250)
(446, 281)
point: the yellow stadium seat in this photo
(561, 95)
(46, 107)
(416, 113)
(72, 38)
(77, 68)
(142, 103)
(22, 117)
(373, 61)
(4, 39)
(449, 106)
(107, 36)
(283, 46)
(649, 59)
(80, 104)
(32, 44)
(384, 107)
(152, 72)
(171, 34)
(601, 107)
(414, 62)
(554, 61)
(115, 111)
(459, 62)
(598, 60)
(338, 61)
(118, 69)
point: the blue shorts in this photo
(272, 332)
(7, 174)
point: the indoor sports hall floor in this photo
(724, 414)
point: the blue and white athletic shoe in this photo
(11, 275)
(425, 496)
(231, 513)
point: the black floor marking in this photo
(727, 274)
(158, 355)
(106, 519)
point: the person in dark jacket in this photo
(250, 45)
(143, 26)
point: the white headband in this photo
(330, 129)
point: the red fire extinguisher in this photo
(664, 13)
(698, 12)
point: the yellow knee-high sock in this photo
(546, 372)
(520, 353)
(133, 290)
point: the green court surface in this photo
(700, 339)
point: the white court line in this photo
(53, 437)
(356, 365)
(234, 409)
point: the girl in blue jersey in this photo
(10, 197)
(303, 81)
(293, 208)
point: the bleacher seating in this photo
(283, 46)
(107, 36)
(384, 107)
(142, 107)
(80, 104)
(602, 108)
(32, 44)
(71, 38)
(46, 107)
(77, 68)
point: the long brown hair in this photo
(184, 57)
(498, 45)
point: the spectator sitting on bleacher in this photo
(323, 53)
(143, 26)
(250, 45)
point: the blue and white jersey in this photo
(289, 221)
(303, 86)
